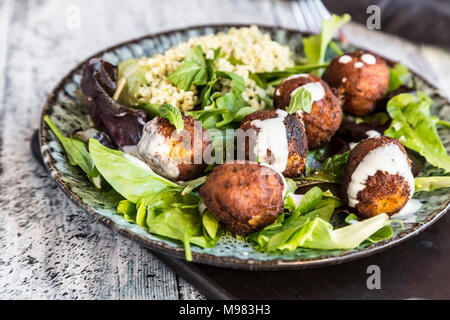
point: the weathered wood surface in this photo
(49, 248)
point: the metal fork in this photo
(309, 15)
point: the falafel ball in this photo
(279, 139)
(244, 196)
(378, 177)
(175, 155)
(359, 79)
(326, 112)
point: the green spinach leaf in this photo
(192, 72)
(129, 176)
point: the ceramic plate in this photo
(66, 111)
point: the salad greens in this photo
(192, 72)
(131, 74)
(218, 110)
(415, 127)
(431, 183)
(274, 78)
(309, 226)
(398, 76)
(315, 46)
(122, 124)
(77, 154)
(129, 176)
(172, 114)
(174, 216)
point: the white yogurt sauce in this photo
(372, 134)
(130, 149)
(388, 158)
(315, 88)
(368, 58)
(358, 64)
(272, 136)
(299, 75)
(154, 150)
(345, 59)
(411, 207)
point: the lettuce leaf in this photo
(431, 183)
(315, 46)
(131, 78)
(129, 176)
(398, 76)
(123, 124)
(415, 127)
(319, 234)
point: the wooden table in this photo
(50, 248)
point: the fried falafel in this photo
(359, 79)
(326, 112)
(279, 139)
(378, 177)
(175, 155)
(244, 196)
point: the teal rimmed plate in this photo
(66, 111)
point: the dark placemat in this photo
(417, 269)
(426, 21)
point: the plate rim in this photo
(206, 258)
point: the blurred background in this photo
(426, 21)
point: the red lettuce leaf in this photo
(123, 124)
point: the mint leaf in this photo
(192, 72)
(300, 100)
(172, 114)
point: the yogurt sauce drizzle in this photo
(388, 158)
(154, 150)
(368, 58)
(345, 59)
(315, 88)
(412, 206)
(299, 75)
(372, 134)
(272, 136)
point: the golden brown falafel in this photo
(326, 113)
(297, 146)
(175, 155)
(383, 189)
(360, 79)
(245, 197)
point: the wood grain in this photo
(49, 248)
